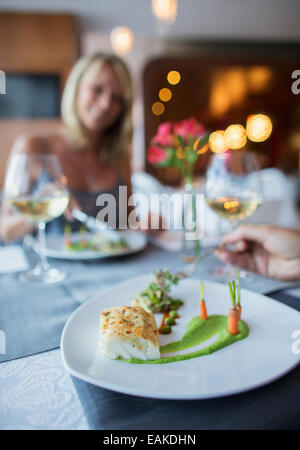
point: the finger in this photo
(244, 260)
(240, 246)
(246, 232)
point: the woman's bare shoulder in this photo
(27, 143)
(34, 143)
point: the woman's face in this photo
(99, 98)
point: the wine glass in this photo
(34, 187)
(233, 190)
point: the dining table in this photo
(38, 393)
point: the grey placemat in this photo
(275, 406)
(32, 318)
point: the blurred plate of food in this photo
(85, 245)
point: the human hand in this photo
(267, 250)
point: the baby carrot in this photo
(203, 312)
(67, 236)
(83, 241)
(233, 321)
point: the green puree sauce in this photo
(198, 331)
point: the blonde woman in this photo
(94, 143)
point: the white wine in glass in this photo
(234, 208)
(42, 209)
(233, 187)
(34, 188)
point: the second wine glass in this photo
(233, 188)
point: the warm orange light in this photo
(235, 136)
(216, 142)
(235, 85)
(259, 78)
(165, 94)
(259, 127)
(219, 97)
(231, 204)
(173, 77)
(158, 108)
(228, 88)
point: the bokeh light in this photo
(231, 204)
(260, 78)
(235, 136)
(165, 10)
(173, 77)
(216, 142)
(259, 127)
(158, 108)
(165, 94)
(121, 40)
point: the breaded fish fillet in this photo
(128, 332)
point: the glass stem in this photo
(234, 224)
(42, 239)
(194, 212)
(191, 250)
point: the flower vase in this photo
(192, 216)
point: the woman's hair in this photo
(117, 139)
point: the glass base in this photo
(227, 272)
(246, 276)
(224, 272)
(38, 275)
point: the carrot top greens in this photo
(235, 291)
(202, 290)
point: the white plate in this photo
(54, 247)
(265, 355)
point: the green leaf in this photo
(180, 140)
(203, 141)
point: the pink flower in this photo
(188, 128)
(164, 135)
(156, 155)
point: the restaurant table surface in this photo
(36, 391)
